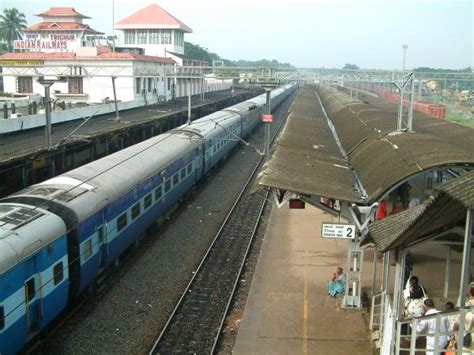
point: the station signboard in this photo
(338, 230)
(296, 203)
(267, 118)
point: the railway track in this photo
(197, 320)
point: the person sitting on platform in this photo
(337, 286)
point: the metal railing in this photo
(376, 311)
(436, 341)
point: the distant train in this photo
(58, 236)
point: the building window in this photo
(25, 84)
(75, 85)
(30, 289)
(138, 83)
(147, 201)
(150, 84)
(122, 222)
(154, 36)
(141, 36)
(87, 249)
(166, 37)
(129, 36)
(136, 210)
(58, 273)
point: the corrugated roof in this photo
(62, 12)
(306, 158)
(445, 211)
(461, 189)
(381, 157)
(384, 233)
(152, 16)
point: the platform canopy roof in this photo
(443, 216)
(367, 158)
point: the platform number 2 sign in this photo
(338, 231)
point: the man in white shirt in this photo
(428, 326)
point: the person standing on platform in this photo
(413, 296)
(428, 326)
(337, 285)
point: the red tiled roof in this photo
(100, 56)
(63, 12)
(61, 26)
(152, 16)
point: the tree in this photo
(351, 66)
(12, 25)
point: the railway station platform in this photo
(288, 309)
(24, 159)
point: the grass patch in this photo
(459, 118)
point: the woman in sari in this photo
(337, 285)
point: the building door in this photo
(25, 84)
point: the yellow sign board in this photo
(21, 62)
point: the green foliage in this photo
(12, 25)
(350, 66)
(3, 48)
(198, 52)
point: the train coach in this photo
(56, 237)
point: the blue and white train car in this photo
(78, 223)
(33, 272)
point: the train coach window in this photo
(87, 249)
(158, 193)
(122, 222)
(30, 289)
(2, 318)
(176, 179)
(167, 185)
(183, 173)
(136, 210)
(147, 201)
(58, 273)
(189, 168)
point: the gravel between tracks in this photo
(126, 316)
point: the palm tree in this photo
(12, 25)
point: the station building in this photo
(145, 70)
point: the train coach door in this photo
(33, 301)
(103, 244)
(202, 150)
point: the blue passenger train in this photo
(56, 237)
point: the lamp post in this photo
(47, 83)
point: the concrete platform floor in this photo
(288, 309)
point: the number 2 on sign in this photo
(349, 233)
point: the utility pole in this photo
(117, 118)
(189, 105)
(267, 130)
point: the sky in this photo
(305, 33)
